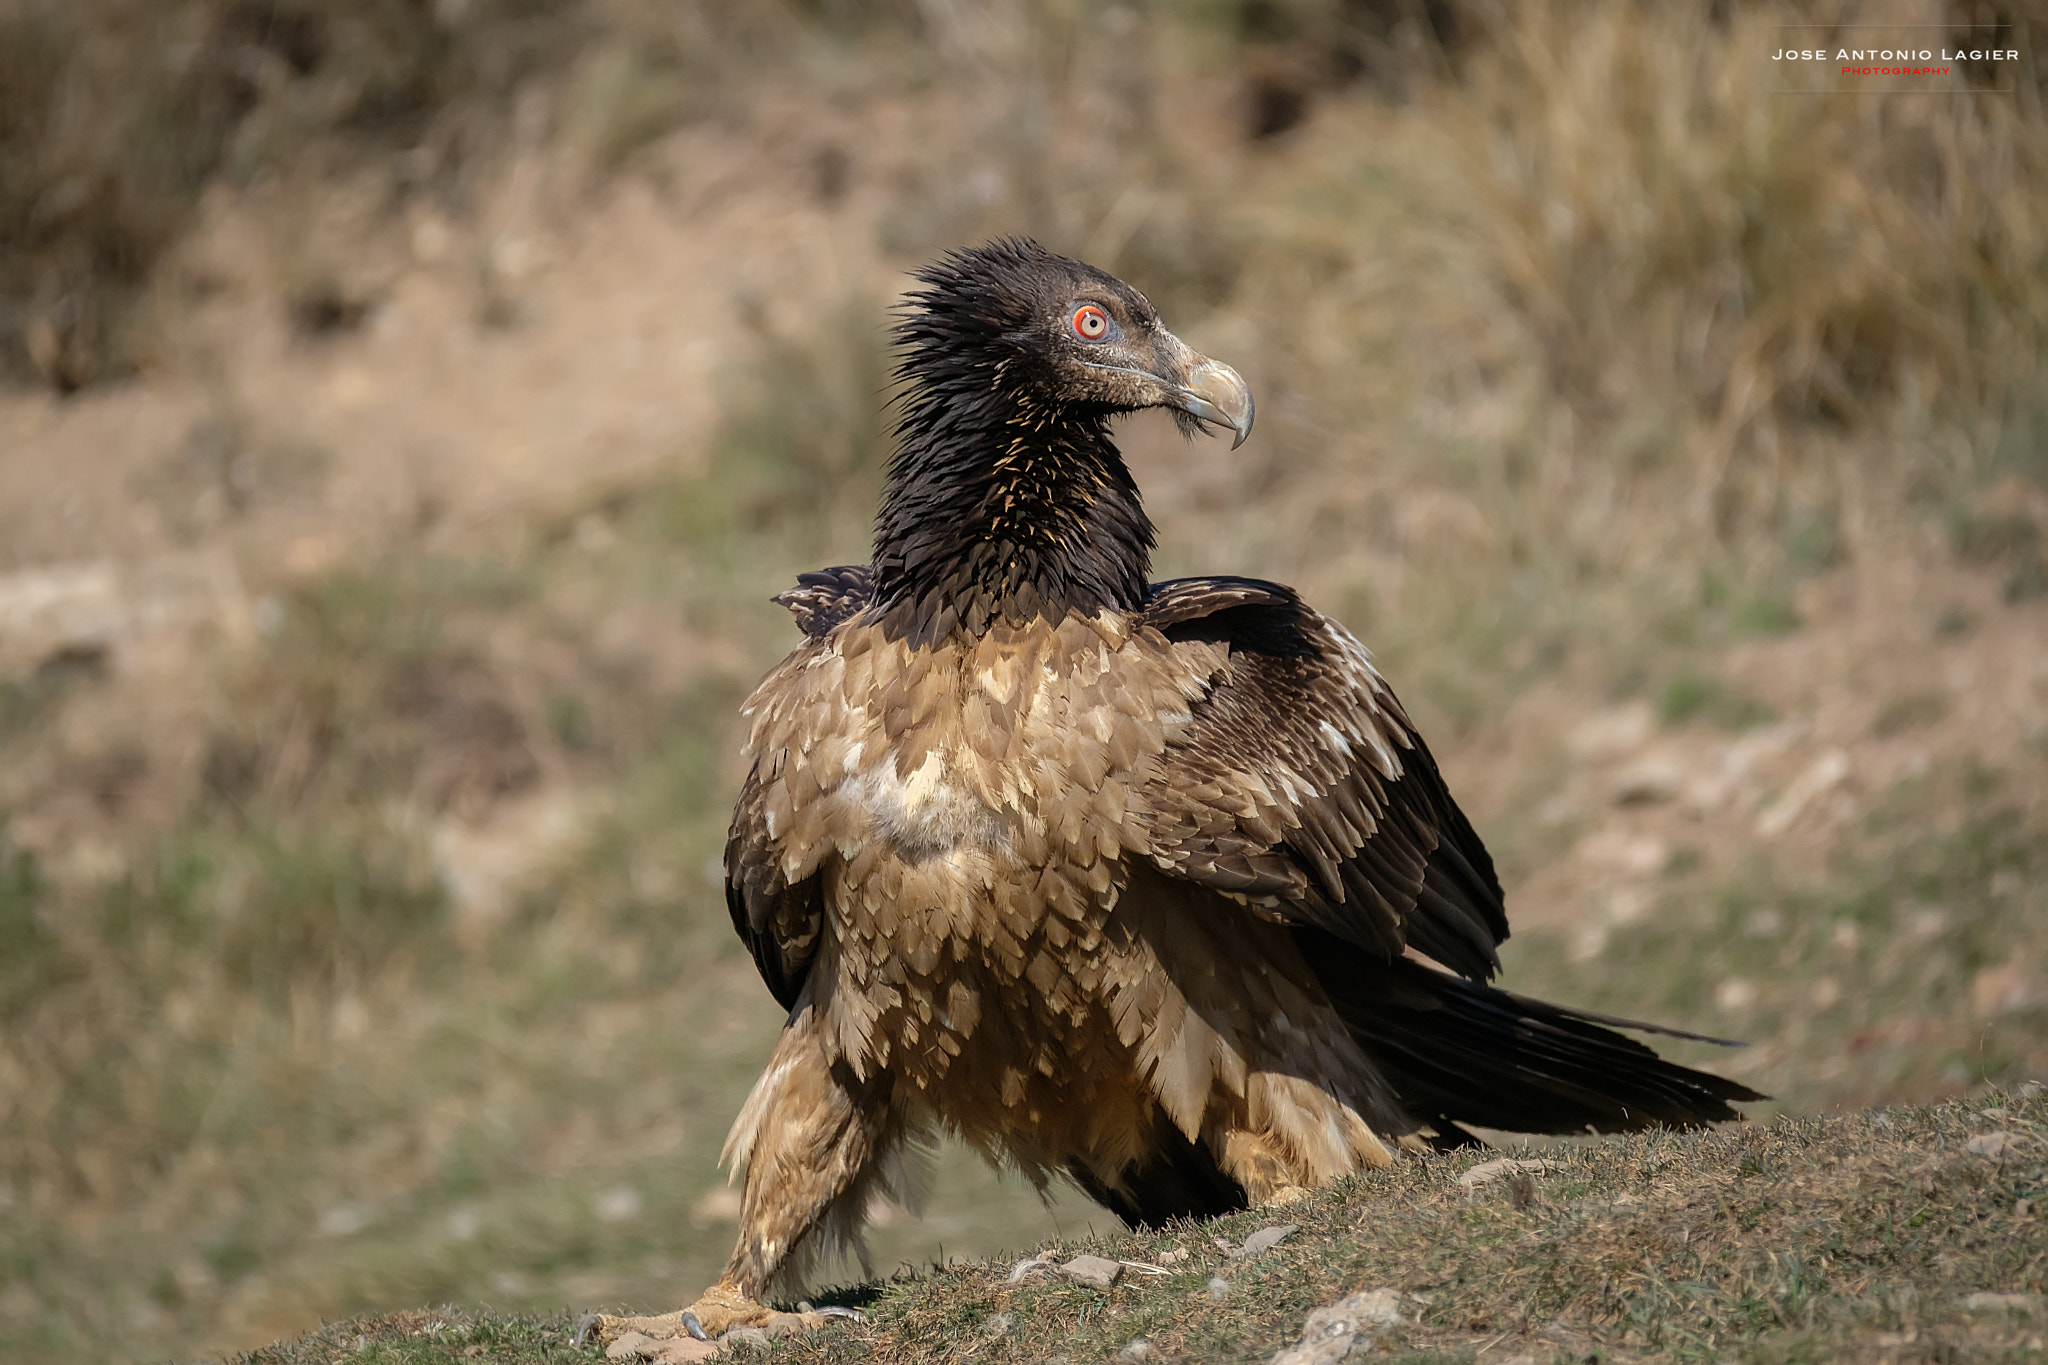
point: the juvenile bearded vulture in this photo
(1148, 885)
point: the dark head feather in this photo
(1006, 499)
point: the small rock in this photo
(1377, 1307)
(1219, 1289)
(1495, 1169)
(1982, 1302)
(1651, 779)
(1093, 1271)
(753, 1338)
(997, 1324)
(2000, 1143)
(1031, 1266)
(1175, 1256)
(1265, 1239)
(1137, 1350)
(1333, 1332)
(672, 1351)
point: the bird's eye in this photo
(1090, 323)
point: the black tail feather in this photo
(1457, 1052)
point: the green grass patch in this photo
(1691, 695)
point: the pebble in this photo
(671, 1351)
(1265, 1239)
(2000, 1143)
(1333, 1332)
(1093, 1271)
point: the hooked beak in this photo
(1216, 393)
(1180, 377)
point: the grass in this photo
(1799, 1239)
(1876, 981)
(1553, 391)
(1692, 695)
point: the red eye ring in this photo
(1089, 323)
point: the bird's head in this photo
(1062, 335)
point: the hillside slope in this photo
(1903, 1234)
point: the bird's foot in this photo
(697, 1332)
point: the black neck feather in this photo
(1003, 505)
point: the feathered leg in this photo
(814, 1144)
(1289, 1137)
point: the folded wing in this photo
(1300, 785)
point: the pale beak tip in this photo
(1219, 394)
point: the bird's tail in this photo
(1457, 1052)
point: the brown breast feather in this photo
(933, 842)
(931, 849)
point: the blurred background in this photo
(410, 405)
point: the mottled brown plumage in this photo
(1119, 881)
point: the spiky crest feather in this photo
(1006, 501)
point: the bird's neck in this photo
(999, 510)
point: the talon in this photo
(586, 1327)
(694, 1327)
(834, 1310)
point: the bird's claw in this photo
(695, 1328)
(834, 1310)
(587, 1327)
